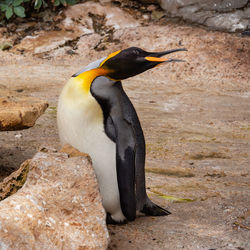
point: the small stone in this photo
(25, 26)
(18, 136)
(5, 45)
(151, 7)
(156, 15)
(105, 1)
(3, 31)
(19, 90)
(146, 17)
(47, 149)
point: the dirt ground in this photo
(196, 119)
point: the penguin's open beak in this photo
(156, 56)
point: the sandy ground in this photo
(196, 119)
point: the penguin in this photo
(95, 116)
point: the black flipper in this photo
(125, 167)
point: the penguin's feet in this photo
(152, 209)
(110, 220)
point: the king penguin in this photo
(96, 116)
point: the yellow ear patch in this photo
(88, 77)
(111, 55)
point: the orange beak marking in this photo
(155, 59)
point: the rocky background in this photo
(224, 15)
(195, 117)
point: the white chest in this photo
(80, 123)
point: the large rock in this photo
(93, 16)
(228, 15)
(19, 112)
(59, 207)
(46, 41)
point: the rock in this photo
(218, 14)
(151, 7)
(15, 181)
(22, 27)
(19, 112)
(105, 1)
(3, 31)
(73, 152)
(86, 44)
(5, 41)
(81, 21)
(46, 41)
(228, 21)
(113, 16)
(155, 15)
(59, 52)
(59, 207)
(5, 45)
(149, 1)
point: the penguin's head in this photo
(132, 61)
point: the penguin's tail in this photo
(152, 209)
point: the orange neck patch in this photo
(88, 77)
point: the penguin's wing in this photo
(125, 167)
(131, 117)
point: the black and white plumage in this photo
(96, 116)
